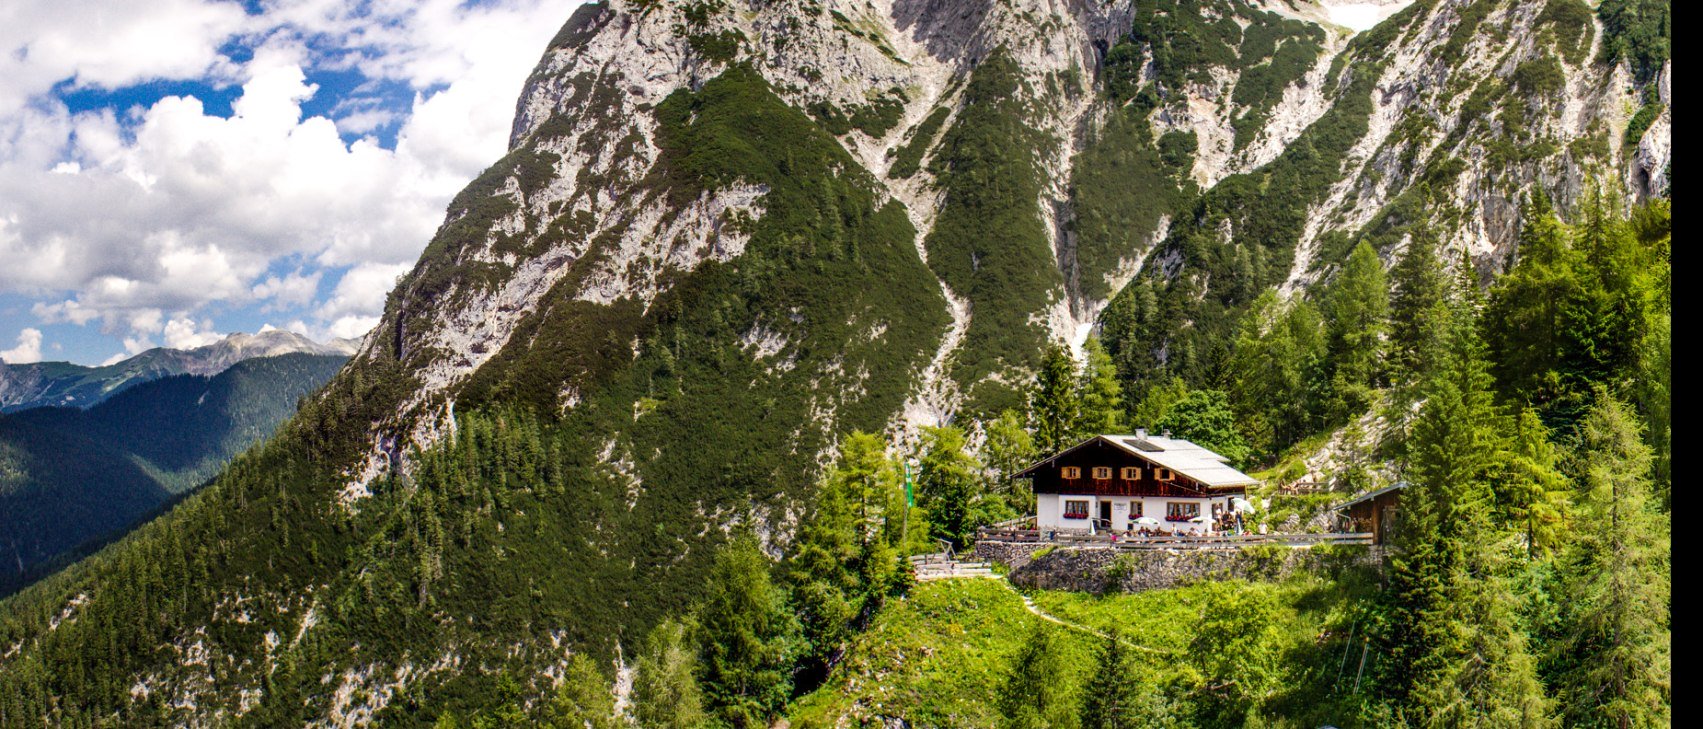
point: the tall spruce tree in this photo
(1032, 696)
(1604, 322)
(1056, 405)
(1102, 409)
(1417, 316)
(747, 638)
(1357, 307)
(1523, 320)
(1457, 657)
(1654, 389)
(949, 484)
(1118, 696)
(1618, 585)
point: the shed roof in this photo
(1369, 495)
(1177, 454)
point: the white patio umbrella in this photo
(1238, 503)
(1147, 521)
(1199, 519)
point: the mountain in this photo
(71, 478)
(62, 384)
(728, 233)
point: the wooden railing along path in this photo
(1215, 541)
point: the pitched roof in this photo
(1369, 495)
(1177, 454)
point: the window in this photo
(1181, 510)
(1076, 509)
(1163, 474)
(1135, 510)
(1070, 472)
(1102, 472)
(1130, 473)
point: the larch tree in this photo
(1533, 491)
(665, 684)
(584, 700)
(1618, 581)
(1102, 409)
(1009, 449)
(1056, 404)
(949, 484)
(1357, 308)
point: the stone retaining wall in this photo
(1101, 569)
(1010, 554)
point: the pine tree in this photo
(1617, 581)
(1056, 405)
(1118, 697)
(1102, 397)
(1356, 311)
(1032, 696)
(746, 639)
(665, 689)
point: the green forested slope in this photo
(74, 478)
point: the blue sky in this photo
(177, 170)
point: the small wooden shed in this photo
(1373, 510)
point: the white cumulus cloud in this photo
(28, 349)
(139, 218)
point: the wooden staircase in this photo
(944, 566)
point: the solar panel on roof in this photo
(1143, 445)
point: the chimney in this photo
(1141, 433)
(1166, 433)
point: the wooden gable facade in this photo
(1099, 468)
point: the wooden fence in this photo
(1214, 541)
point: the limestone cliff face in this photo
(1476, 103)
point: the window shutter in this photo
(1070, 472)
(1131, 473)
(1102, 472)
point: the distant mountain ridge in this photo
(71, 478)
(63, 384)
